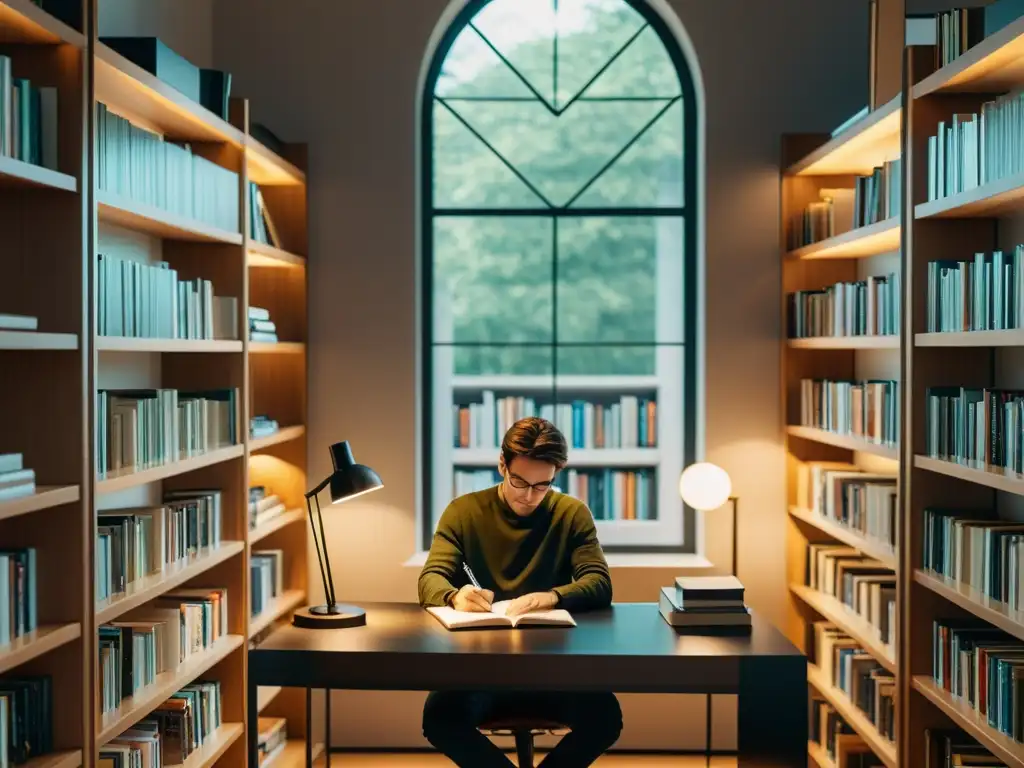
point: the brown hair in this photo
(537, 439)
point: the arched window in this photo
(560, 223)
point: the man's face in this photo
(525, 483)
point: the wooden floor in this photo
(424, 760)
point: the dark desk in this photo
(627, 649)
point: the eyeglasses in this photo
(521, 485)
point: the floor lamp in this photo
(706, 487)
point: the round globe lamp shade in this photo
(350, 479)
(705, 486)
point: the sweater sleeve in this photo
(438, 577)
(591, 586)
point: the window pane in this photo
(467, 174)
(643, 69)
(492, 279)
(524, 32)
(558, 154)
(620, 279)
(472, 70)
(649, 174)
(524, 360)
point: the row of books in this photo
(623, 421)
(132, 543)
(864, 409)
(18, 587)
(149, 301)
(28, 119)
(977, 549)
(878, 197)
(264, 506)
(951, 748)
(866, 503)
(148, 427)
(983, 294)
(266, 572)
(866, 307)
(171, 732)
(831, 215)
(139, 165)
(15, 479)
(976, 427)
(969, 149)
(866, 587)
(26, 718)
(982, 667)
(836, 737)
(156, 639)
(855, 672)
(261, 327)
(611, 494)
(261, 224)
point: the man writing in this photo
(538, 548)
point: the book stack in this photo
(700, 602)
(261, 327)
(263, 506)
(273, 734)
(267, 578)
(10, 322)
(15, 480)
(263, 426)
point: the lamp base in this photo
(337, 616)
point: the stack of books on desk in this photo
(696, 602)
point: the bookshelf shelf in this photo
(283, 435)
(149, 587)
(28, 340)
(292, 755)
(1003, 747)
(631, 384)
(874, 549)
(846, 342)
(277, 348)
(860, 243)
(1008, 338)
(859, 149)
(820, 757)
(35, 644)
(848, 442)
(991, 199)
(186, 346)
(270, 169)
(284, 603)
(216, 744)
(136, 707)
(994, 612)
(43, 498)
(999, 479)
(581, 457)
(993, 65)
(132, 91)
(118, 480)
(22, 21)
(155, 221)
(884, 749)
(851, 624)
(17, 173)
(264, 255)
(276, 524)
(266, 694)
(71, 758)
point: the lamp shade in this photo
(705, 486)
(350, 479)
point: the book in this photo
(496, 617)
(676, 615)
(698, 589)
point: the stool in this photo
(523, 730)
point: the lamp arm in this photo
(331, 600)
(316, 542)
(315, 491)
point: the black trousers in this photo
(451, 720)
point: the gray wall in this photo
(343, 77)
(184, 25)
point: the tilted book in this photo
(496, 617)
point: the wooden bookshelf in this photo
(1008, 338)
(991, 477)
(277, 348)
(283, 435)
(60, 220)
(810, 164)
(994, 612)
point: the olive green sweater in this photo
(554, 549)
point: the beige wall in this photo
(186, 26)
(343, 77)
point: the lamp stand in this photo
(735, 534)
(332, 615)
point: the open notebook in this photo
(453, 619)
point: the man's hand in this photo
(471, 598)
(535, 601)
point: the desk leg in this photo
(327, 728)
(252, 732)
(772, 712)
(309, 728)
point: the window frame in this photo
(691, 212)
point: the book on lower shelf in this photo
(953, 747)
(18, 585)
(704, 601)
(10, 322)
(273, 735)
(866, 409)
(868, 307)
(865, 503)
(498, 618)
(261, 327)
(26, 718)
(837, 738)
(15, 479)
(981, 292)
(264, 506)
(976, 427)
(170, 733)
(263, 426)
(28, 119)
(266, 574)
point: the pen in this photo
(472, 578)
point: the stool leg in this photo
(524, 747)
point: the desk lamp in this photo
(704, 487)
(347, 481)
